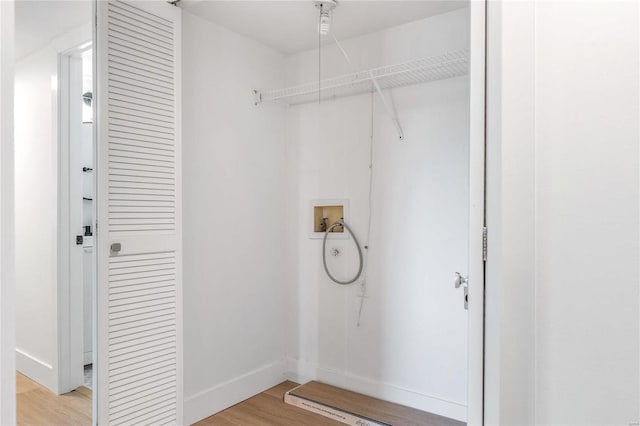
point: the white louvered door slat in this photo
(138, 128)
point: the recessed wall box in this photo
(325, 213)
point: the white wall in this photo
(36, 180)
(411, 344)
(587, 128)
(563, 133)
(7, 267)
(233, 201)
(510, 267)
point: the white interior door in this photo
(139, 227)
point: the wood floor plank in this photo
(38, 406)
(267, 409)
(25, 384)
(85, 391)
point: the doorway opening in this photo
(55, 214)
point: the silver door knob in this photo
(460, 280)
(116, 247)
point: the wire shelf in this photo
(451, 64)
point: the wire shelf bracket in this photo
(391, 111)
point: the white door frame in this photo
(7, 229)
(70, 285)
(70, 372)
(69, 290)
(475, 348)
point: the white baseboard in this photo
(302, 372)
(36, 369)
(210, 401)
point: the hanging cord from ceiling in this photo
(363, 265)
(364, 260)
(319, 55)
(364, 283)
(325, 27)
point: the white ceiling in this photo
(291, 26)
(38, 22)
(286, 25)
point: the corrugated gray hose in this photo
(324, 253)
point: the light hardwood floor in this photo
(38, 406)
(267, 409)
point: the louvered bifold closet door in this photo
(138, 231)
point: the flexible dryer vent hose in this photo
(324, 253)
